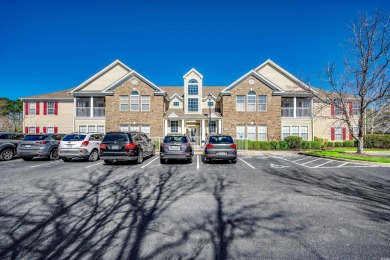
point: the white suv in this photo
(80, 145)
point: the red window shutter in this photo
(332, 109)
(344, 133)
(350, 108)
(55, 108)
(350, 136)
(44, 129)
(56, 129)
(332, 133)
(45, 108)
(37, 130)
(26, 108)
(26, 130)
(37, 108)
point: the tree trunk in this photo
(360, 145)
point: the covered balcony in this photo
(295, 107)
(90, 107)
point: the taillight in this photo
(85, 143)
(233, 146)
(129, 146)
(103, 146)
(43, 142)
(209, 146)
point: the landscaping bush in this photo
(377, 141)
(256, 145)
(264, 145)
(294, 142)
(306, 145)
(338, 144)
(330, 144)
(322, 141)
(348, 143)
(315, 145)
(274, 145)
(283, 145)
(241, 144)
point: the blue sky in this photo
(48, 46)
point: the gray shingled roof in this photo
(171, 90)
(63, 94)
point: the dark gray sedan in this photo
(39, 145)
(220, 147)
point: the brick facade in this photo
(271, 118)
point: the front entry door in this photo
(193, 132)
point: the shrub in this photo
(306, 145)
(330, 144)
(294, 142)
(241, 144)
(264, 145)
(283, 145)
(338, 144)
(348, 143)
(256, 145)
(377, 141)
(274, 145)
(315, 145)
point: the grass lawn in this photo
(350, 153)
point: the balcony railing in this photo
(86, 112)
(303, 112)
(287, 112)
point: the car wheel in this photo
(233, 161)
(153, 152)
(27, 158)
(205, 160)
(189, 160)
(66, 159)
(7, 154)
(108, 161)
(140, 157)
(94, 156)
(162, 161)
(54, 154)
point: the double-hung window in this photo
(91, 129)
(263, 103)
(50, 129)
(240, 132)
(145, 103)
(213, 126)
(338, 133)
(240, 103)
(193, 87)
(50, 108)
(134, 127)
(285, 131)
(82, 128)
(251, 130)
(123, 103)
(174, 126)
(134, 101)
(338, 109)
(262, 131)
(100, 129)
(355, 108)
(32, 108)
(145, 129)
(123, 128)
(304, 133)
(251, 101)
(193, 104)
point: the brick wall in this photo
(154, 117)
(271, 118)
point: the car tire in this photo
(27, 158)
(108, 161)
(93, 156)
(140, 158)
(7, 154)
(162, 161)
(234, 160)
(54, 154)
(153, 152)
(65, 159)
(189, 160)
(205, 160)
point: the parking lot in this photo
(268, 205)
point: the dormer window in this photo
(192, 87)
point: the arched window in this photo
(251, 101)
(134, 101)
(193, 87)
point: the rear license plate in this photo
(27, 146)
(222, 153)
(174, 147)
(115, 147)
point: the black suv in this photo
(9, 142)
(126, 146)
(176, 146)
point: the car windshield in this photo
(221, 140)
(34, 137)
(116, 137)
(74, 137)
(175, 139)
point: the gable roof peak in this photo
(193, 71)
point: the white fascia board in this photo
(256, 75)
(116, 62)
(195, 71)
(177, 96)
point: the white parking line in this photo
(323, 164)
(247, 164)
(150, 162)
(304, 158)
(342, 164)
(93, 165)
(197, 162)
(311, 161)
(37, 165)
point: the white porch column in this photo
(91, 106)
(295, 107)
(183, 131)
(220, 126)
(203, 131)
(165, 127)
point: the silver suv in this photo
(39, 145)
(9, 142)
(80, 145)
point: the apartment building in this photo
(267, 103)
